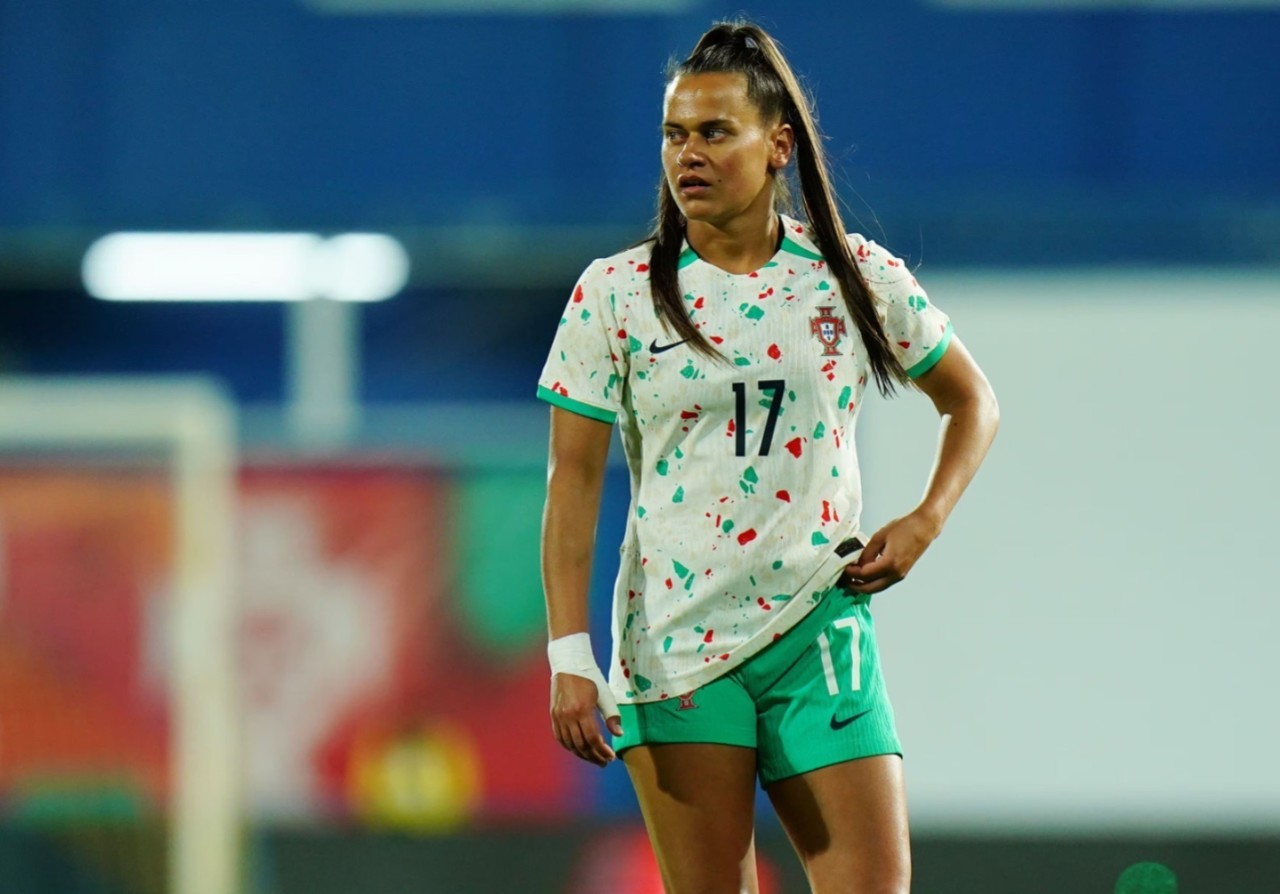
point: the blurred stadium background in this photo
(270, 616)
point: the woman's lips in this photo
(692, 186)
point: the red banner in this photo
(362, 695)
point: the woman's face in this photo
(718, 156)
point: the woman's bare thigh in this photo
(848, 823)
(698, 802)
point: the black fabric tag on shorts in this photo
(848, 546)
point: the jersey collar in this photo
(795, 241)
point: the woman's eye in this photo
(672, 136)
(714, 132)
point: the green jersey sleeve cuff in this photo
(933, 356)
(557, 399)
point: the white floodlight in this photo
(359, 267)
(244, 267)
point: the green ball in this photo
(1147, 878)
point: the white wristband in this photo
(572, 655)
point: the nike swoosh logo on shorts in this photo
(841, 724)
(654, 349)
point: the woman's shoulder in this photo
(877, 264)
(627, 265)
(871, 256)
(866, 249)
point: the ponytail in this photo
(737, 47)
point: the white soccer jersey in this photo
(744, 477)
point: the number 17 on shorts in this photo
(858, 716)
(855, 655)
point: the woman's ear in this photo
(783, 140)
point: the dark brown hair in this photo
(746, 49)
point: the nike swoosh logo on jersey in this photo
(655, 349)
(841, 724)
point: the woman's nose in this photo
(689, 154)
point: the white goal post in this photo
(194, 423)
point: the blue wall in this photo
(142, 113)
(963, 138)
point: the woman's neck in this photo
(742, 246)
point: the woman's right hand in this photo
(574, 705)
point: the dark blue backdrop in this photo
(133, 113)
(962, 138)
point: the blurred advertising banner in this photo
(84, 557)
(390, 646)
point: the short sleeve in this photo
(586, 370)
(918, 331)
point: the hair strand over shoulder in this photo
(746, 49)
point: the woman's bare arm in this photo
(575, 477)
(969, 419)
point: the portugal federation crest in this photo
(828, 328)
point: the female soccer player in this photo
(733, 347)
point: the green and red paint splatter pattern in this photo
(744, 477)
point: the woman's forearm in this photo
(575, 477)
(965, 434)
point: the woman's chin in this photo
(694, 209)
(701, 212)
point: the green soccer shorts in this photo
(813, 698)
